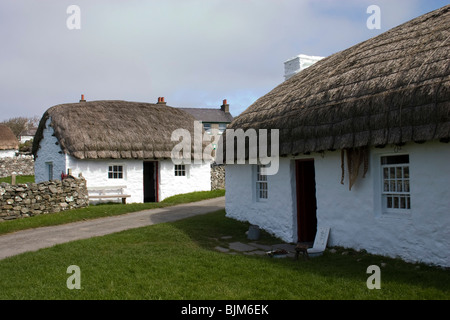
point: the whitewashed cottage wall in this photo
(8, 153)
(49, 152)
(355, 216)
(198, 178)
(96, 174)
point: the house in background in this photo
(27, 134)
(118, 143)
(364, 148)
(9, 145)
(215, 121)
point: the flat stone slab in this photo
(222, 249)
(239, 246)
(261, 246)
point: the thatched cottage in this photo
(9, 144)
(118, 143)
(364, 148)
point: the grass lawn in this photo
(178, 261)
(19, 179)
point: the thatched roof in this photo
(115, 129)
(390, 89)
(8, 140)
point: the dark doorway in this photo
(150, 181)
(306, 200)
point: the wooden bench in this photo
(111, 192)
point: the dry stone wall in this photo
(21, 165)
(26, 200)
(217, 176)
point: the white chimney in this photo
(298, 63)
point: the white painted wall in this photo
(49, 152)
(355, 216)
(96, 174)
(198, 178)
(275, 214)
(24, 139)
(8, 153)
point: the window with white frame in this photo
(115, 172)
(261, 184)
(396, 196)
(207, 127)
(180, 170)
(222, 127)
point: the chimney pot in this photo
(161, 100)
(82, 98)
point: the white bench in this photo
(108, 192)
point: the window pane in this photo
(395, 159)
(392, 186)
(385, 173)
(406, 172)
(399, 173)
(403, 203)
(406, 184)
(396, 202)
(392, 173)
(389, 202)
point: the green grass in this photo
(19, 179)
(177, 261)
(103, 210)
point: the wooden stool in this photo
(303, 248)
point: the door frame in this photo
(306, 200)
(156, 178)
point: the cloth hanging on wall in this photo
(355, 157)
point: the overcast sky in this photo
(195, 53)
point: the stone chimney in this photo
(225, 107)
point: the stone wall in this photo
(217, 177)
(25, 200)
(21, 165)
